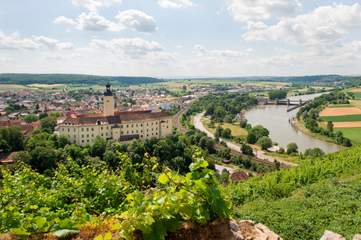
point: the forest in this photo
(24, 79)
(222, 107)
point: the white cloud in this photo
(137, 21)
(15, 41)
(93, 5)
(323, 26)
(132, 47)
(201, 51)
(132, 19)
(175, 3)
(256, 10)
(91, 21)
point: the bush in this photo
(292, 148)
(265, 143)
(247, 150)
(314, 152)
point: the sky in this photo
(181, 38)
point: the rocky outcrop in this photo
(357, 237)
(328, 235)
(224, 230)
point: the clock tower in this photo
(108, 101)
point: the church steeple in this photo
(108, 91)
(108, 101)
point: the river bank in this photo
(299, 124)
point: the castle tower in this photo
(108, 101)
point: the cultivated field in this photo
(345, 118)
(340, 111)
(342, 118)
(347, 125)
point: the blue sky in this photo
(180, 38)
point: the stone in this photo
(328, 235)
(65, 233)
(357, 237)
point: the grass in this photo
(345, 118)
(339, 105)
(7, 87)
(237, 131)
(284, 157)
(357, 95)
(330, 204)
(356, 103)
(354, 134)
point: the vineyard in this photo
(301, 203)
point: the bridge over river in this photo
(291, 104)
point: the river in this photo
(276, 119)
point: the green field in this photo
(345, 118)
(357, 95)
(354, 134)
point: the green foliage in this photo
(48, 123)
(31, 118)
(334, 205)
(33, 203)
(255, 133)
(265, 143)
(222, 107)
(73, 79)
(277, 94)
(292, 148)
(247, 150)
(243, 123)
(281, 184)
(193, 197)
(314, 152)
(11, 139)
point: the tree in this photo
(251, 138)
(228, 118)
(12, 139)
(62, 141)
(292, 148)
(277, 94)
(243, 123)
(31, 118)
(218, 132)
(260, 131)
(314, 152)
(112, 159)
(224, 153)
(98, 148)
(43, 159)
(330, 126)
(265, 143)
(48, 124)
(247, 150)
(227, 133)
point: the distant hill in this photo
(294, 79)
(25, 79)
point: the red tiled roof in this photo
(89, 119)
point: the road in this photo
(259, 154)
